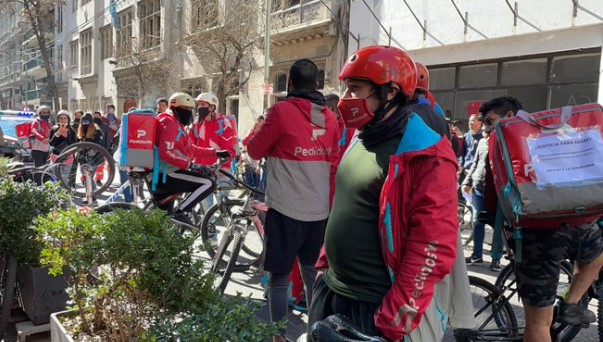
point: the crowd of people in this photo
(362, 192)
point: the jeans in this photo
(40, 158)
(123, 177)
(479, 229)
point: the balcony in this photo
(301, 16)
(33, 94)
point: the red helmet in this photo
(382, 65)
(422, 77)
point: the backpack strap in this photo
(156, 166)
(124, 140)
(499, 221)
(220, 126)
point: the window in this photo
(205, 14)
(478, 76)
(577, 68)
(106, 34)
(73, 105)
(59, 19)
(443, 78)
(525, 72)
(280, 83)
(60, 57)
(149, 15)
(124, 33)
(75, 51)
(86, 51)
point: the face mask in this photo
(111, 116)
(98, 121)
(184, 116)
(355, 112)
(202, 112)
(44, 116)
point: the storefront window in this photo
(478, 76)
(468, 102)
(580, 68)
(533, 98)
(442, 78)
(571, 95)
(529, 71)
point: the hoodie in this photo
(299, 138)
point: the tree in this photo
(40, 16)
(143, 74)
(223, 36)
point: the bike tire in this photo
(565, 333)
(599, 287)
(504, 318)
(243, 227)
(209, 225)
(257, 236)
(71, 150)
(226, 272)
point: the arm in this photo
(34, 131)
(166, 144)
(229, 139)
(54, 138)
(468, 181)
(247, 138)
(430, 249)
(266, 137)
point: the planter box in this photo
(42, 293)
(57, 331)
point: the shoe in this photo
(495, 266)
(182, 220)
(473, 260)
(99, 183)
(575, 314)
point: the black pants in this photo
(325, 303)
(183, 181)
(40, 159)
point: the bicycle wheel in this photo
(494, 316)
(216, 220)
(223, 264)
(507, 284)
(599, 288)
(79, 163)
(254, 241)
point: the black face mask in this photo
(44, 116)
(184, 116)
(202, 112)
(98, 121)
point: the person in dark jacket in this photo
(62, 134)
(470, 140)
(98, 120)
(89, 131)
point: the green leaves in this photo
(20, 205)
(134, 278)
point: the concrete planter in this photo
(57, 330)
(42, 293)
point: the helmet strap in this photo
(387, 106)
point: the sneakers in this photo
(182, 220)
(474, 260)
(575, 314)
(495, 266)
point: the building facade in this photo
(547, 53)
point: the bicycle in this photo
(502, 323)
(233, 239)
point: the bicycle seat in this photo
(338, 328)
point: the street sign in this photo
(266, 88)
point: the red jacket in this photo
(418, 226)
(40, 130)
(174, 145)
(299, 138)
(217, 134)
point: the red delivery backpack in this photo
(23, 133)
(137, 143)
(548, 166)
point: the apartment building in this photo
(12, 78)
(547, 53)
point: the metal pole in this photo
(24, 95)
(267, 48)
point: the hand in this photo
(199, 169)
(223, 154)
(257, 125)
(466, 189)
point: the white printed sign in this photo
(566, 158)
